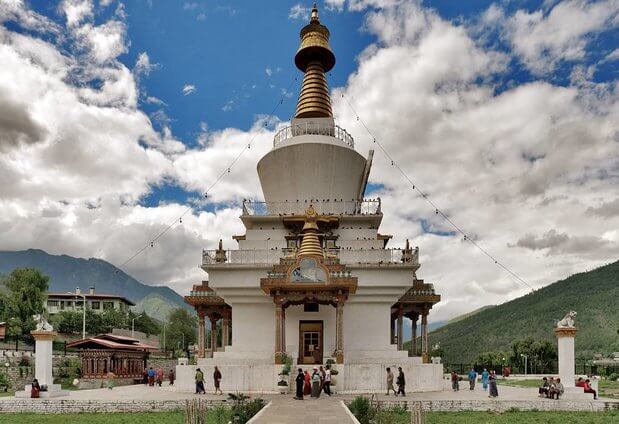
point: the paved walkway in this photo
(325, 410)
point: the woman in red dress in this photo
(307, 386)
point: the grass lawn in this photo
(214, 416)
(516, 417)
(607, 388)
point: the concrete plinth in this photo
(565, 348)
(43, 366)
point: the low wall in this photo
(51, 406)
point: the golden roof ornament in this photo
(314, 58)
(310, 245)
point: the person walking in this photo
(110, 380)
(151, 377)
(455, 381)
(494, 391)
(300, 381)
(390, 382)
(401, 382)
(472, 378)
(217, 380)
(326, 384)
(316, 383)
(200, 382)
(171, 377)
(485, 378)
(159, 376)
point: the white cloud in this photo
(544, 39)
(298, 11)
(190, 5)
(188, 89)
(155, 101)
(143, 66)
(77, 10)
(268, 71)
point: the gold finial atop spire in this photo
(314, 57)
(310, 245)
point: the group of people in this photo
(216, 381)
(153, 377)
(488, 381)
(314, 384)
(551, 388)
(400, 382)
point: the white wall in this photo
(253, 328)
(366, 327)
(294, 314)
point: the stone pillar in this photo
(339, 331)
(279, 345)
(201, 334)
(400, 333)
(565, 342)
(414, 318)
(391, 330)
(424, 336)
(43, 359)
(225, 332)
(213, 320)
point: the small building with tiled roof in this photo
(99, 302)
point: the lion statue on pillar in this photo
(568, 320)
(42, 324)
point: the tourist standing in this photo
(171, 377)
(494, 391)
(455, 381)
(159, 376)
(316, 383)
(326, 385)
(35, 389)
(110, 380)
(472, 378)
(322, 377)
(300, 381)
(307, 386)
(390, 382)
(151, 376)
(401, 382)
(200, 382)
(217, 380)
(485, 378)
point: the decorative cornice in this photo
(42, 335)
(565, 332)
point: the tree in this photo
(540, 354)
(113, 318)
(67, 322)
(27, 289)
(181, 322)
(491, 358)
(144, 323)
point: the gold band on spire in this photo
(314, 57)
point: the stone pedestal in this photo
(565, 342)
(43, 365)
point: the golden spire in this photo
(310, 245)
(314, 57)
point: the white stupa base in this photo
(361, 374)
(52, 391)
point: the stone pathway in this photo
(324, 410)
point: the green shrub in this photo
(5, 384)
(362, 409)
(242, 409)
(614, 376)
(219, 415)
(24, 362)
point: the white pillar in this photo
(43, 357)
(565, 342)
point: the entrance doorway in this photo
(310, 342)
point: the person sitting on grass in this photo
(556, 389)
(543, 391)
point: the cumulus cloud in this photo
(143, 66)
(299, 11)
(544, 39)
(188, 89)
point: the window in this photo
(62, 305)
(108, 305)
(95, 304)
(52, 303)
(310, 307)
(79, 304)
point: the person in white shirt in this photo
(326, 385)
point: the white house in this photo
(313, 278)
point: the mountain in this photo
(463, 316)
(155, 306)
(66, 273)
(594, 295)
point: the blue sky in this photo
(120, 113)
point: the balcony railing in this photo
(313, 128)
(322, 207)
(346, 256)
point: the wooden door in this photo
(310, 342)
